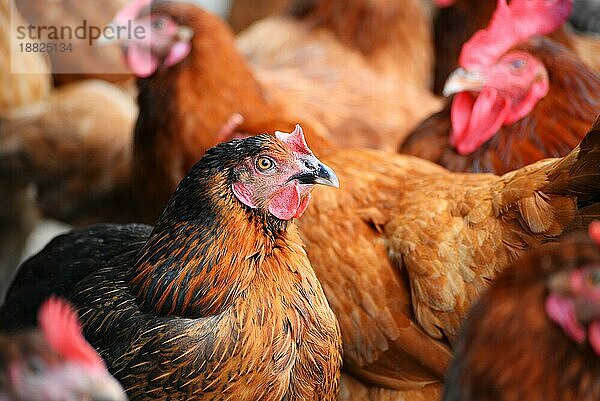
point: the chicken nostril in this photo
(310, 165)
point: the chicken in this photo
(191, 87)
(392, 38)
(516, 105)
(82, 61)
(405, 246)
(535, 334)
(218, 301)
(457, 20)
(76, 150)
(54, 363)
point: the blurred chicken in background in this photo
(391, 37)
(368, 64)
(54, 362)
(535, 334)
(518, 96)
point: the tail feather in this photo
(540, 202)
(578, 175)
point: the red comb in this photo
(131, 11)
(511, 25)
(295, 140)
(594, 231)
(61, 328)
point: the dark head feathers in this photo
(208, 184)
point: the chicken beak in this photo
(326, 176)
(560, 283)
(317, 173)
(462, 80)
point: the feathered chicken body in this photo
(404, 250)
(534, 334)
(218, 301)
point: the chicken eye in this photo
(593, 277)
(264, 163)
(518, 64)
(158, 24)
(36, 365)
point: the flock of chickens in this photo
(324, 224)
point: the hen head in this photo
(55, 363)
(150, 35)
(271, 176)
(279, 178)
(496, 85)
(574, 300)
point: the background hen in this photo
(532, 101)
(54, 363)
(534, 334)
(456, 20)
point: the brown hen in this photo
(534, 334)
(549, 125)
(218, 301)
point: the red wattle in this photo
(475, 121)
(286, 202)
(141, 61)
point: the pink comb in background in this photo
(511, 25)
(61, 328)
